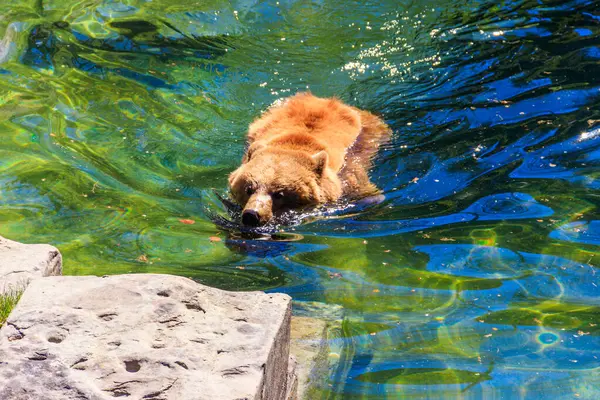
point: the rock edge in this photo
(20, 263)
(144, 336)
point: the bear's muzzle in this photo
(258, 210)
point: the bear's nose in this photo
(250, 218)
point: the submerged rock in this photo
(311, 348)
(145, 336)
(20, 263)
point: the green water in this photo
(475, 278)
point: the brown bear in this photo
(305, 152)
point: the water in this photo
(476, 278)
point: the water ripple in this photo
(587, 232)
(497, 207)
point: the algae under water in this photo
(475, 278)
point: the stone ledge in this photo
(144, 336)
(20, 263)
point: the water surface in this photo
(475, 278)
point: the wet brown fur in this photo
(307, 151)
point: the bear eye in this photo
(278, 195)
(250, 190)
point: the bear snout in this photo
(258, 210)
(250, 218)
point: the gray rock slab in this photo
(144, 336)
(20, 263)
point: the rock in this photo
(317, 309)
(310, 344)
(292, 380)
(144, 336)
(19, 263)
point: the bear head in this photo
(271, 181)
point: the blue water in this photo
(475, 278)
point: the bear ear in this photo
(320, 160)
(254, 147)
